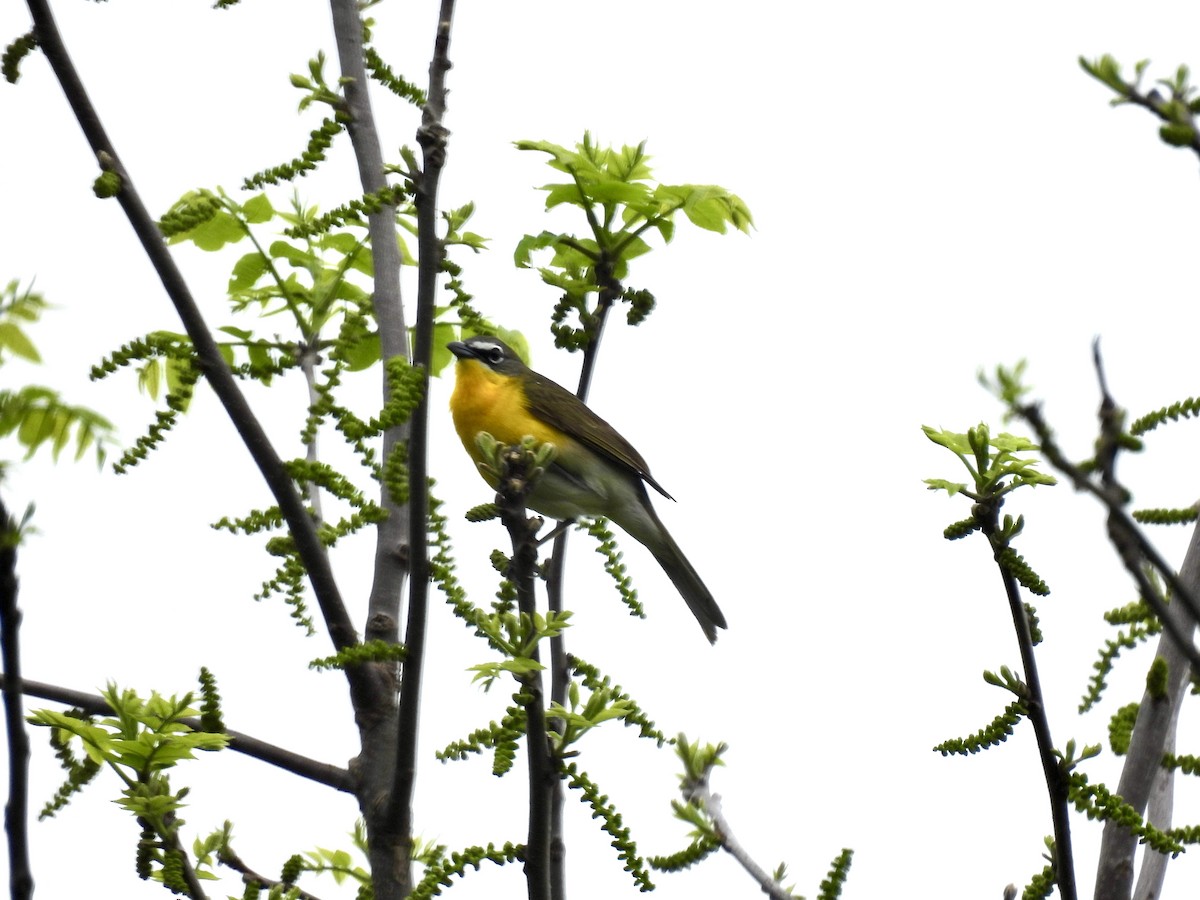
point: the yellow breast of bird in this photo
(484, 400)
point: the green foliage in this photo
(80, 772)
(996, 469)
(1097, 802)
(839, 869)
(615, 190)
(1013, 563)
(632, 713)
(501, 738)
(994, 733)
(698, 761)
(36, 415)
(602, 809)
(1120, 728)
(211, 717)
(699, 849)
(613, 564)
(1143, 625)
(1184, 409)
(1166, 516)
(442, 874)
(1177, 109)
(141, 742)
(320, 139)
(10, 62)
(381, 72)
(1156, 679)
(1185, 763)
(359, 654)
(1041, 886)
(993, 463)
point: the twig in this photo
(93, 704)
(1131, 544)
(16, 811)
(697, 790)
(1057, 784)
(228, 858)
(560, 674)
(303, 531)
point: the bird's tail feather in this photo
(686, 580)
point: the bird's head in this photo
(490, 352)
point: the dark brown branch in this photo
(16, 811)
(228, 858)
(522, 530)
(560, 674)
(1057, 784)
(93, 704)
(431, 135)
(308, 544)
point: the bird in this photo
(595, 471)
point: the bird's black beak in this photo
(461, 350)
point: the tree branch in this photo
(560, 674)
(228, 857)
(1057, 784)
(16, 811)
(1156, 714)
(392, 544)
(698, 791)
(308, 544)
(514, 488)
(431, 135)
(1150, 739)
(93, 704)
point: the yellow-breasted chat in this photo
(595, 472)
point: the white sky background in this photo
(936, 187)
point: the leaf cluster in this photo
(141, 742)
(37, 416)
(1173, 100)
(615, 190)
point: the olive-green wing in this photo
(557, 406)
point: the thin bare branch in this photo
(16, 811)
(1052, 770)
(93, 704)
(228, 858)
(699, 791)
(432, 136)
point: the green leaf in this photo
(950, 487)
(297, 256)
(258, 209)
(218, 231)
(246, 272)
(14, 339)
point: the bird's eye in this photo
(495, 355)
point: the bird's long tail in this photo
(686, 580)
